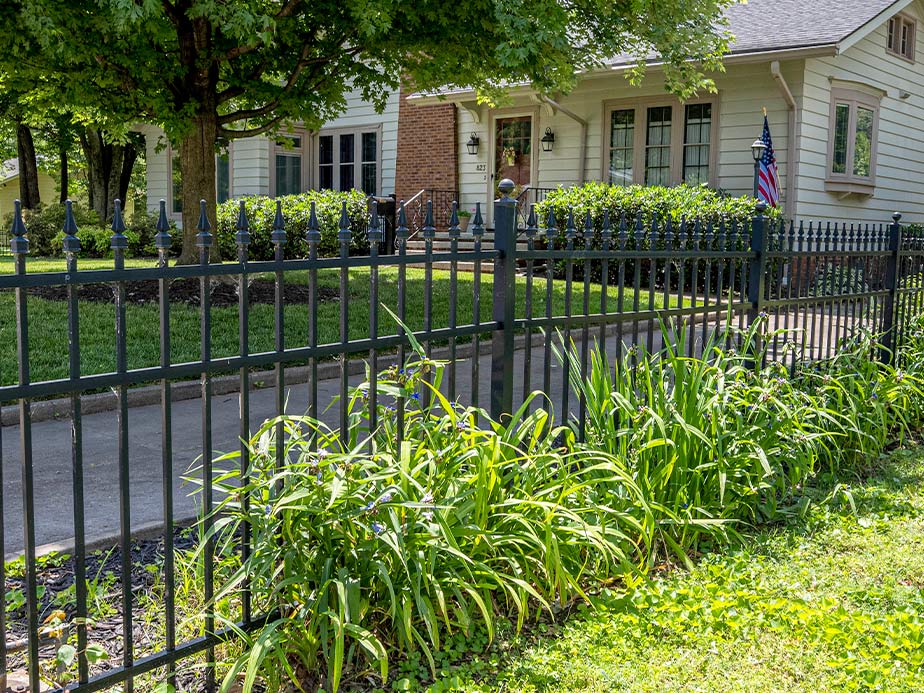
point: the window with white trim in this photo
(349, 159)
(900, 36)
(660, 143)
(288, 165)
(852, 142)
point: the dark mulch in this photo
(223, 294)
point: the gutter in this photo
(791, 167)
(582, 152)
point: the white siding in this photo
(743, 90)
(158, 166)
(899, 166)
(250, 162)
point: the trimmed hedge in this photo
(674, 203)
(296, 209)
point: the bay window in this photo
(852, 141)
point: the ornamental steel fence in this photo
(807, 288)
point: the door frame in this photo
(500, 114)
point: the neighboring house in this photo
(842, 82)
(357, 150)
(9, 186)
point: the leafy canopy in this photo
(261, 64)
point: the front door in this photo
(513, 150)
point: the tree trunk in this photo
(109, 168)
(65, 182)
(197, 163)
(28, 167)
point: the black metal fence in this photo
(811, 288)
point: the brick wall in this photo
(427, 148)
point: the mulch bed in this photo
(223, 294)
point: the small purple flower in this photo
(369, 507)
(268, 510)
(377, 528)
(416, 396)
(427, 498)
(427, 515)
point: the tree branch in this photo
(237, 134)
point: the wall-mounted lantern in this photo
(472, 144)
(548, 140)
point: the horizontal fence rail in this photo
(616, 284)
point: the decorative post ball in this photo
(506, 187)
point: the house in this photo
(842, 82)
(357, 150)
(9, 186)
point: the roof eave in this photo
(745, 57)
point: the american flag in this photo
(768, 180)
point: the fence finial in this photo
(454, 230)
(551, 225)
(119, 240)
(203, 238)
(401, 229)
(343, 234)
(429, 230)
(478, 222)
(607, 230)
(313, 234)
(162, 240)
(532, 223)
(71, 242)
(375, 228)
(242, 237)
(278, 235)
(19, 243)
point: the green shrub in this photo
(296, 210)
(675, 203)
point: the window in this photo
(288, 163)
(349, 160)
(852, 148)
(223, 177)
(901, 36)
(660, 143)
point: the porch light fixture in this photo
(757, 151)
(472, 144)
(548, 140)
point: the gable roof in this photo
(762, 26)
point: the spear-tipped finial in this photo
(242, 237)
(314, 228)
(429, 230)
(71, 242)
(477, 222)
(19, 243)
(454, 230)
(532, 222)
(343, 234)
(119, 240)
(570, 228)
(401, 229)
(551, 224)
(203, 238)
(162, 238)
(375, 229)
(278, 236)
(607, 230)
(588, 226)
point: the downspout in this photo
(791, 136)
(582, 151)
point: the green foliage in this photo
(296, 210)
(694, 203)
(836, 280)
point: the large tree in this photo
(208, 71)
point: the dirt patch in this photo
(223, 294)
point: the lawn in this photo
(48, 319)
(831, 602)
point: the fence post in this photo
(757, 276)
(889, 344)
(504, 304)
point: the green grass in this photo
(829, 603)
(48, 319)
